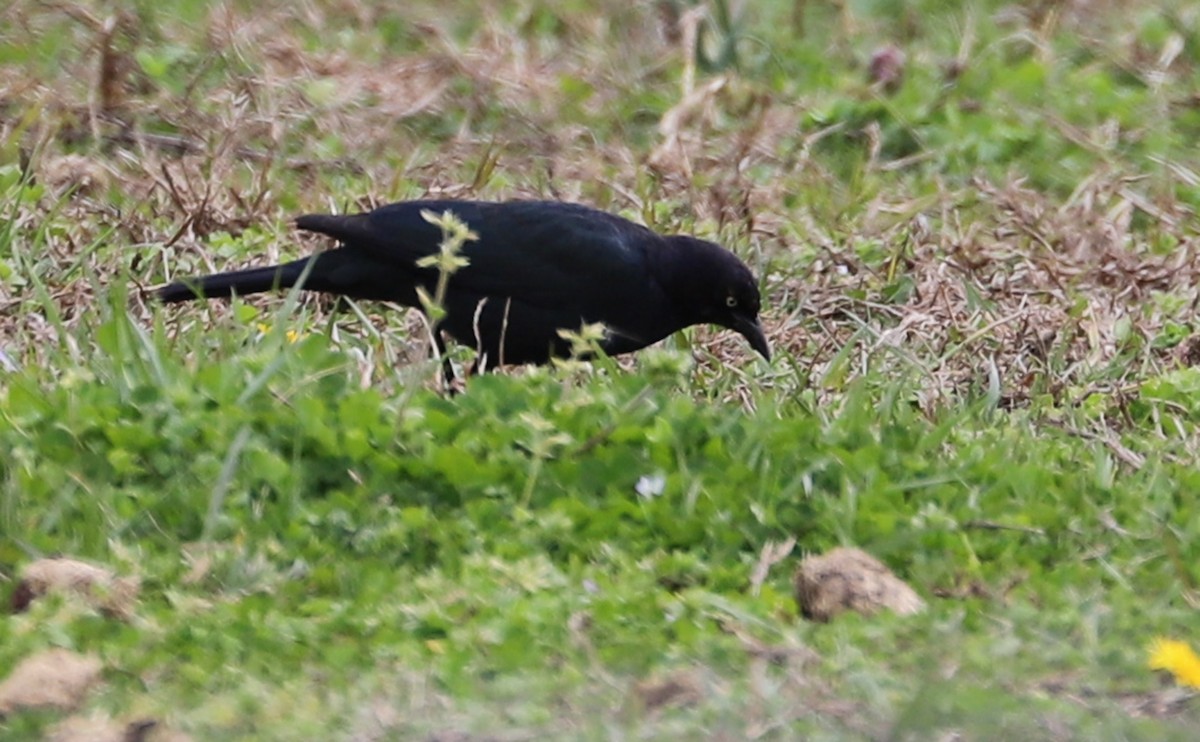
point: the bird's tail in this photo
(240, 283)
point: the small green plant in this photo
(448, 260)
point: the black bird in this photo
(537, 267)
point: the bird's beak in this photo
(750, 329)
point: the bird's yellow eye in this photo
(731, 301)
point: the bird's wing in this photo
(396, 233)
(561, 256)
(547, 254)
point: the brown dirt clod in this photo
(87, 729)
(848, 579)
(55, 678)
(98, 586)
(677, 689)
(102, 728)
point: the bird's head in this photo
(710, 284)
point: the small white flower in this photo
(651, 485)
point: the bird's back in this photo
(566, 263)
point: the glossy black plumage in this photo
(536, 267)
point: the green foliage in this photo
(464, 533)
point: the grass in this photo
(980, 287)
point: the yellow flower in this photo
(291, 335)
(1177, 658)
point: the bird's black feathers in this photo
(537, 267)
(249, 281)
